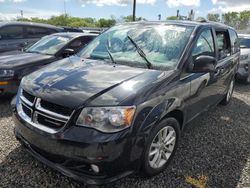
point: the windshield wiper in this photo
(110, 55)
(140, 52)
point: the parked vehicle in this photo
(16, 64)
(71, 29)
(17, 35)
(119, 106)
(243, 73)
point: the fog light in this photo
(95, 168)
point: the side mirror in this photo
(204, 64)
(68, 52)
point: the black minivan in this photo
(119, 106)
(18, 35)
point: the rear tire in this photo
(161, 146)
(226, 100)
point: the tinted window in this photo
(234, 41)
(11, 32)
(76, 44)
(87, 39)
(204, 45)
(37, 32)
(244, 43)
(224, 44)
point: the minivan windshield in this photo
(244, 43)
(162, 45)
(49, 45)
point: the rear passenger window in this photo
(204, 45)
(37, 32)
(235, 46)
(224, 45)
(11, 32)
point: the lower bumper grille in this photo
(49, 122)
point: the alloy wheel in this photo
(162, 147)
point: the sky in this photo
(149, 9)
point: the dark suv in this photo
(17, 35)
(120, 105)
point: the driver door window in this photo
(204, 45)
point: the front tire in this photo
(161, 146)
(226, 100)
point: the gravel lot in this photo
(214, 151)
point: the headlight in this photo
(6, 73)
(107, 119)
(243, 57)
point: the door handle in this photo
(217, 71)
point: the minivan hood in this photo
(18, 58)
(71, 82)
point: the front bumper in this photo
(9, 86)
(72, 158)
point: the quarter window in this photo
(204, 45)
(11, 32)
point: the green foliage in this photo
(172, 18)
(213, 17)
(238, 20)
(66, 20)
(130, 18)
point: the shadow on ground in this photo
(215, 145)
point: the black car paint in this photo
(20, 43)
(156, 94)
(24, 63)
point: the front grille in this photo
(27, 110)
(28, 96)
(43, 114)
(56, 108)
(49, 122)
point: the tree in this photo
(172, 18)
(70, 21)
(244, 20)
(106, 22)
(130, 18)
(232, 19)
(213, 17)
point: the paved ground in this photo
(214, 152)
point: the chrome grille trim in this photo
(40, 108)
(36, 109)
(26, 101)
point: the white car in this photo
(244, 71)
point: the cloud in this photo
(13, 1)
(178, 3)
(224, 6)
(101, 3)
(29, 13)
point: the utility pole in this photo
(64, 3)
(134, 9)
(159, 17)
(21, 11)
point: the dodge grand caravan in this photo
(119, 106)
